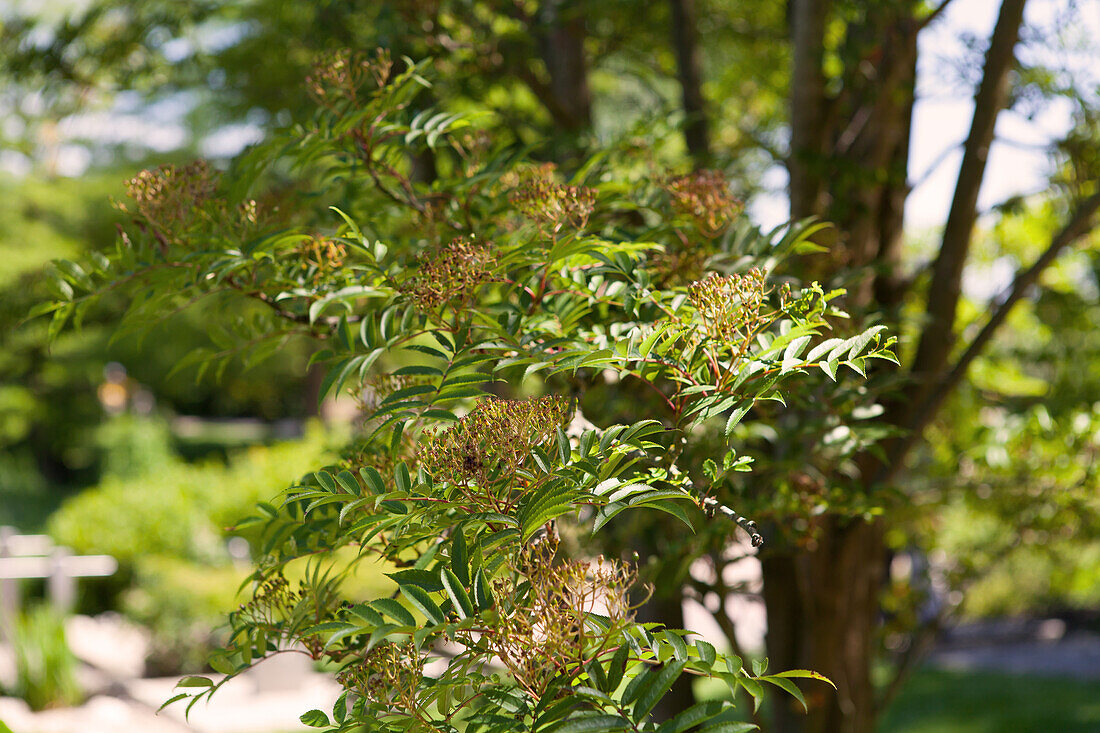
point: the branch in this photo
(927, 20)
(946, 288)
(1079, 225)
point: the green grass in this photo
(937, 701)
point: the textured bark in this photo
(685, 39)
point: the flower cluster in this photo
(168, 196)
(496, 438)
(553, 205)
(340, 75)
(704, 196)
(389, 675)
(453, 274)
(542, 632)
(321, 257)
(729, 305)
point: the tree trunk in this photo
(822, 609)
(808, 104)
(685, 39)
(562, 46)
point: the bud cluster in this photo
(167, 196)
(729, 305)
(542, 631)
(497, 437)
(271, 603)
(389, 675)
(705, 197)
(453, 274)
(553, 205)
(321, 257)
(340, 75)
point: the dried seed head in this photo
(553, 205)
(705, 197)
(544, 628)
(452, 275)
(168, 196)
(341, 75)
(389, 675)
(498, 434)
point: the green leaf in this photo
(460, 557)
(195, 681)
(394, 610)
(679, 648)
(563, 446)
(804, 674)
(674, 507)
(790, 687)
(483, 595)
(457, 593)
(693, 716)
(423, 603)
(736, 417)
(594, 723)
(617, 668)
(373, 479)
(326, 480)
(314, 719)
(729, 726)
(424, 579)
(346, 479)
(166, 703)
(707, 652)
(401, 476)
(662, 682)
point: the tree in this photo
(847, 70)
(848, 159)
(430, 297)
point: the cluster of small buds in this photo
(730, 305)
(390, 674)
(270, 604)
(544, 629)
(705, 197)
(553, 205)
(377, 386)
(168, 196)
(320, 257)
(340, 75)
(497, 435)
(453, 274)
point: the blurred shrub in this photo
(134, 446)
(164, 520)
(45, 668)
(183, 605)
(23, 501)
(177, 509)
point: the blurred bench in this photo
(35, 556)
